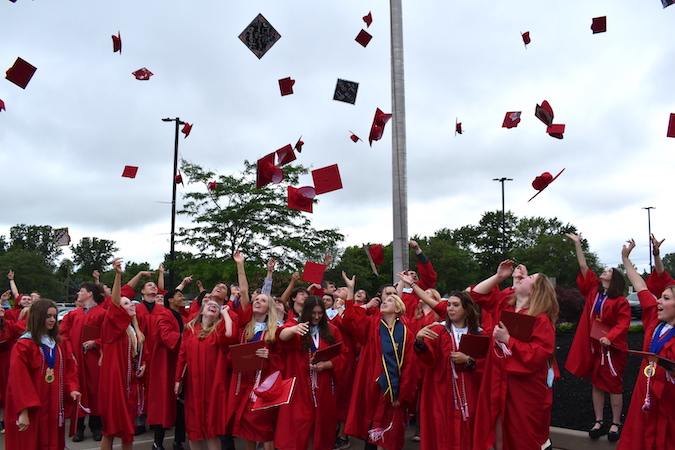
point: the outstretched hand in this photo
(350, 282)
(576, 238)
(117, 265)
(656, 244)
(626, 249)
(403, 276)
(505, 268)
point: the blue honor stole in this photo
(393, 342)
(658, 341)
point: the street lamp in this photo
(172, 254)
(502, 180)
(649, 228)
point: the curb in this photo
(566, 439)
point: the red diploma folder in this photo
(328, 353)
(664, 362)
(90, 333)
(244, 358)
(73, 418)
(599, 329)
(474, 345)
(519, 325)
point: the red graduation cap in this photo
(671, 126)
(544, 113)
(273, 391)
(186, 129)
(286, 86)
(327, 179)
(117, 43)
(299, 144)
(368, 19)
(301, 199)
(130, 171)
(541, 182)
(526, 38)
(2, 105)
(20, 73)
(267, 172)
(285, 155)
(142, 74)
(211, 185)
(599, 24)
(556, 131)
(354, 138)
(178, 179)
(377, 128)
(511, 119)
(313, 272)
(458, 127)
(363, 38)
(375, 256)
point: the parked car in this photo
(62, 311)
(635, 307)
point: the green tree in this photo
(669, 263)
(32, 273)
(456, 267)
(354, 261)
(93, 254)
(39, 238)
(237, 216)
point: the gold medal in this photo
(650, 370)
(49, 375)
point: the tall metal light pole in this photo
(172, 253)
(398, 147)
(502, 180)
(649, 227)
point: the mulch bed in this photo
(572, 404)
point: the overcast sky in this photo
(66, 138)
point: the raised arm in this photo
(241, 279)
(503, 272)
(634, 277)
(350, 282)
(656, 251)
(421, 293)
(576, 238)
(116, 295)
(185, 282)
(134, 281)
(160, 278)
(12, 284)
(291, 285)
(267, 282)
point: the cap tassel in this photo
(377, 434)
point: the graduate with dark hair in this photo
(42, 384)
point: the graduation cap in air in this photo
(301, 199)
(368, 18)
(299, 144)
(511, 119)
(526, 38)
(142, 74)
(186, 129)
(665, 3)
(671, 126)
(130, 171)
(2, 106)
(285, 155)
(544, 113)
(313, 272)
(556, 130)
(259, 36)
(286, 86)
(354, 138)
(375, 256)
(20, 73)
(377, 128)
(178, 179)
(599, 24)
(458, 127)
(117, 43)
(211, 185)
(273, 391)
(267, 172)
(327, 179)
(345, 91)
(363, 38)
(542, 181)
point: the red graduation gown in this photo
(584, 358)
(161, 369)
(88, 369)
(311, 412)
(428, 278)
(441, 421)
(514, 388)
(119, 400)
(653, 429)
(369, 408)
(200, 369)
(46, 402)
